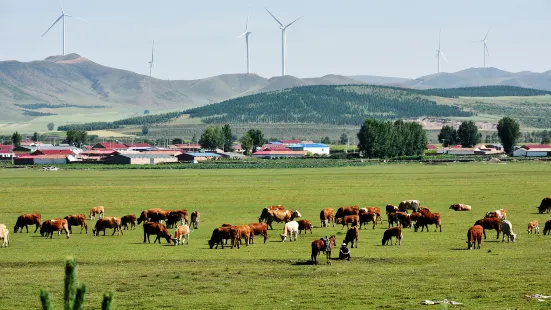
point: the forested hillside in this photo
(484, 91)
(339, 105)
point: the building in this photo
(194, 157)
(140, 159)
(53, 152)
(274, 146)
(479, 149)
(431, 147)
(137, 146)
(278, 153)
(290, 142)
(187, 147)
(96, 155)
(41, 159)
(533, 150)
(232, 155)
(313, 148)
(6, 154)
(46, 148)
(110, 145)
(237, 148)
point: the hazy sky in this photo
(197, 39)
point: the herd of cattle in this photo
(398, 219)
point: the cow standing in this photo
(195, 219)
(281, 216)
(97, 210)
(327, 216)
(240, 232)
(319, 246)
(349, 219)
(533, 227)
(146, 215)
(258, 229)
(77, 220)
(427, 219)
(474, 235)
(366, 217)
(28, 219)
(218, 235)
(59, 225)
(128, 219)
(490, 223)
(264, 214)
(547, 228)
(4, 236)
(392, 232)
(406, 205)
(181, 233)
(304, 225)
(157, 229)
(352, 234)
(111, 222)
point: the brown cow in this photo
(392, 219)
(77, 220)
(545, 205)
(157, 229)
(258, 229)
(159, 215)
(428, 219)
(344, 211)
(239, 232)
(28, 219)
(326, 216)
(181, 233)
(195, 219)
(546, 228)
(129, 219)
(391, 209)
(218, 235)
(175, 217)
(533, 227)
(352, 234)
(404, 219)
(474, 235)
(304, 225)
(97, 210)
(281, 216)
(59, 225)
(108, 222)
(368, 217)
(349, 219)
(264, 214)
(393, 232)
(460, 207)
(375, 210)
(319, 246)
(146, 215)
(490, 223)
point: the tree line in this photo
(138, 120)
(484, 91)
(386, 139)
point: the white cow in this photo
(4, 236)
(290, 228)
(181, 234)
(507, 229)
(501, 214)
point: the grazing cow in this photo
(412, 205)
(474, 235)
(393, 232)
(195, 219)
(344, 211)
(368, 217)
(460, 207)
(4, 236)
(545, 205)
(240, 232)
(291, 228)
(352, 234)
(146, 215)
(507, 230)
(157, 229)
(59, 225)
(281, 216)
(533, 227)
(490, 223)
(108, 222)
(258, 229)
(129, 219)
(349, 219)
(27, 219)
(77, 220)
(428, 219)
(175, 217)
(319, 246)
(404, 219)
(304, 225)
(181, 233)
(326, 216)
(97, 210)
(547, 228)
(218, 235)
(264, 215)
(392, 219)
(501, 214)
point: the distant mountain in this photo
(482, 77)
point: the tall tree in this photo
(468, 134)
(343, 138)
(77, 137)
(228, 138)
(212, 138)
(35, 137)
(177, 141)
(258, 138)
(247, 143)
(546, 140)
(16, 139)
(51, 126)
(145, 130)
(447, 136)
(326, 140)
(380, 139)
(508, 131)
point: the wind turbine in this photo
(247, 33)
(152, 63)
(439, 51)
(283, 41)
(485, 47)
(62, 18)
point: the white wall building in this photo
(314, 148)
(533, 150)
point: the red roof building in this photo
(274, 147)
(110, 145)
(53, 152)
(431, 147)
(137, 145)
(187, 147)
(536, 146)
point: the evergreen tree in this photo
(51, 126)
(35, 137)
(228, 138)
(508, 131)
(447, 136)
(343, 139)
(468, 134)
(145, 130)
(16, 139)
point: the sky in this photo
(197, 39)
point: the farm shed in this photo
(314, 148)
(40, 160)
(187, 147)
(95, 155)
(53, 152)
(140, 159)
(533, 150)
(137, 146)
(109, 145)
(269, 154)
(47, 148)
(6, 154)
(198, 156)
(232, 155)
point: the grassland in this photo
(428, 265)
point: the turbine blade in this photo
(76, 17)
(486, 48)
(53, 25)
(443, 56)
(292, 22)
(277, 20)
(247, 23)
(244, 33)
(487, 33)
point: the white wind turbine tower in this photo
(485, 47)
(283, 41)
(62, 18)
(439, 52)
(152, 62)
(247, 33)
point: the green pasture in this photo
(276, 275)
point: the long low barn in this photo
(140, 159)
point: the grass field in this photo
(276, 275)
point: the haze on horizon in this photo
(197, 40)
